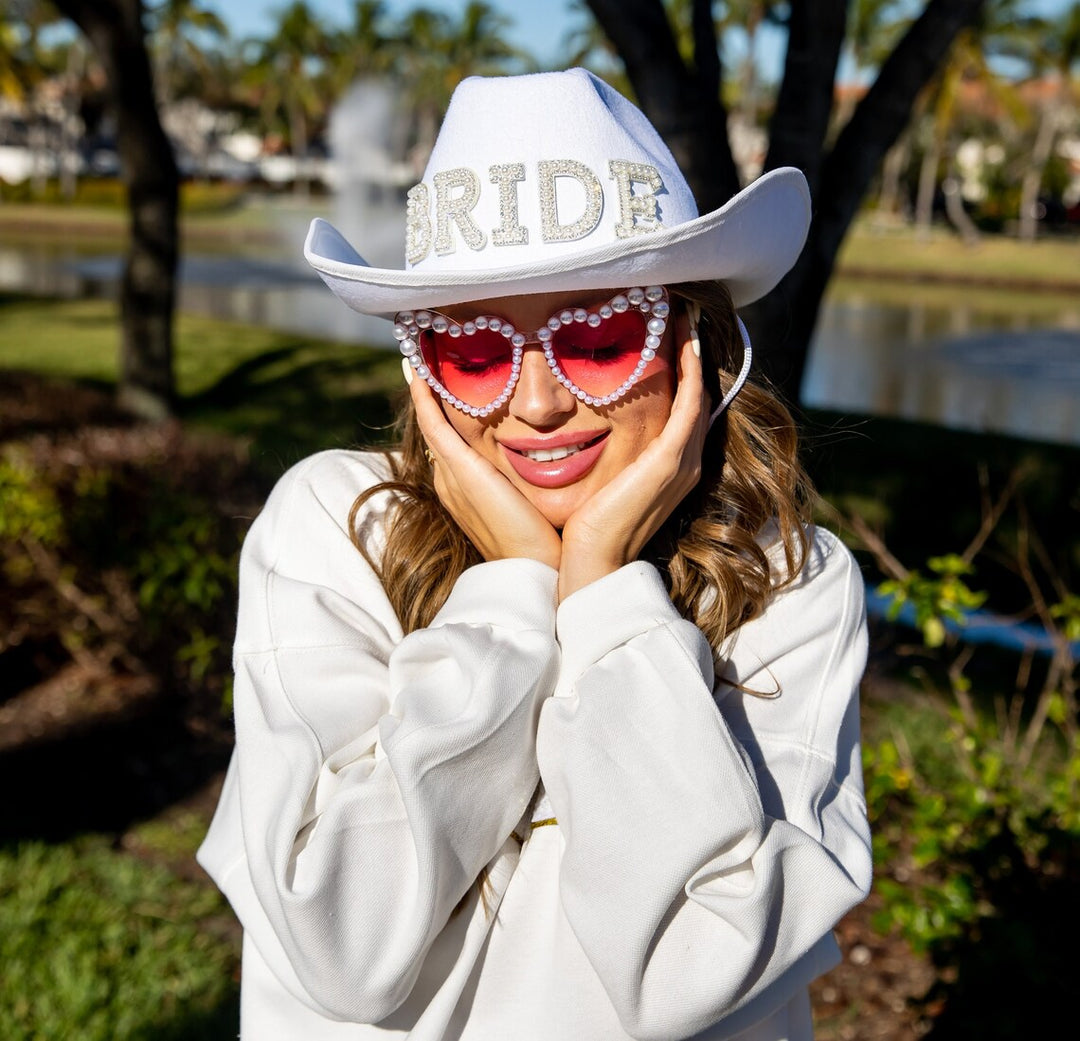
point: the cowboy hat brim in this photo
(749, 243)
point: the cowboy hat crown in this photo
(555, 181)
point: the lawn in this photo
(942, 255)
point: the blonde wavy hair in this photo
(718, 574)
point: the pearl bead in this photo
(469, 328)
(400, 331)
(652, 341)
(566, 317)
(661, 309)
(636, 296)
(481, 322)
(654, 293)
(455, 331)
(657, 326)
(439, 324)
(593, 320)
(580, 314)
(620, 304)
(648, 354)
(423, 319)
(405, 317)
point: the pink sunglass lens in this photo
(475, 368)
(599, 358)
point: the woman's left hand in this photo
(612, 527)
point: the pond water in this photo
(976, 360)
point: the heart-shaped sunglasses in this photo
(598, 354)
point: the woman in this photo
(547, 723)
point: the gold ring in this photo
(429, 455)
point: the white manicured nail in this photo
(406, 368)
(693, 312)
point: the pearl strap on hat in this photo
(748, 356)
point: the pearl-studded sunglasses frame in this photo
(651, 302)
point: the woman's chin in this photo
(557, 505)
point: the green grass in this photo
(286, 393)
(101, 945)
(209, 215)
(943, 254)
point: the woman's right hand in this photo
(499, 521)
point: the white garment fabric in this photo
(707, 839)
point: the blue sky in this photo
(539, 25)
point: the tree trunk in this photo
(954, 210)
(683, 104)
(1033, 175)
(685, 108)
(147, 293)
(924, 200)
(784, 321)
(299, 143)
(895, 161)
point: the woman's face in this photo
(542, 418)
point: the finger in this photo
(684, 433)
(442, 439)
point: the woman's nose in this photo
(539, 399)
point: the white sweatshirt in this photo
(706, 842)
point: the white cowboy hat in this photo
(555, 181)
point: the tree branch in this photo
(883, 113)
(686, 111)
(801, 118)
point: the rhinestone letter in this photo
(509, 232)
(551, 229)
(456, 208)
(417, 223)
(637, 213)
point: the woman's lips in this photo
(554, 462)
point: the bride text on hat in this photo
(458, 191)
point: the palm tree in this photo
(1057, 51)
(25, 64)
(368, 47)
(874, 27)
(176, 28)
(440, 52)
(1000, 29)
(116, 31)
(286, 71)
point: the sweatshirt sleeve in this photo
(713, 838)
(374, 775)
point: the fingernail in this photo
(693, 313)
(695, 340)
(406, 368)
